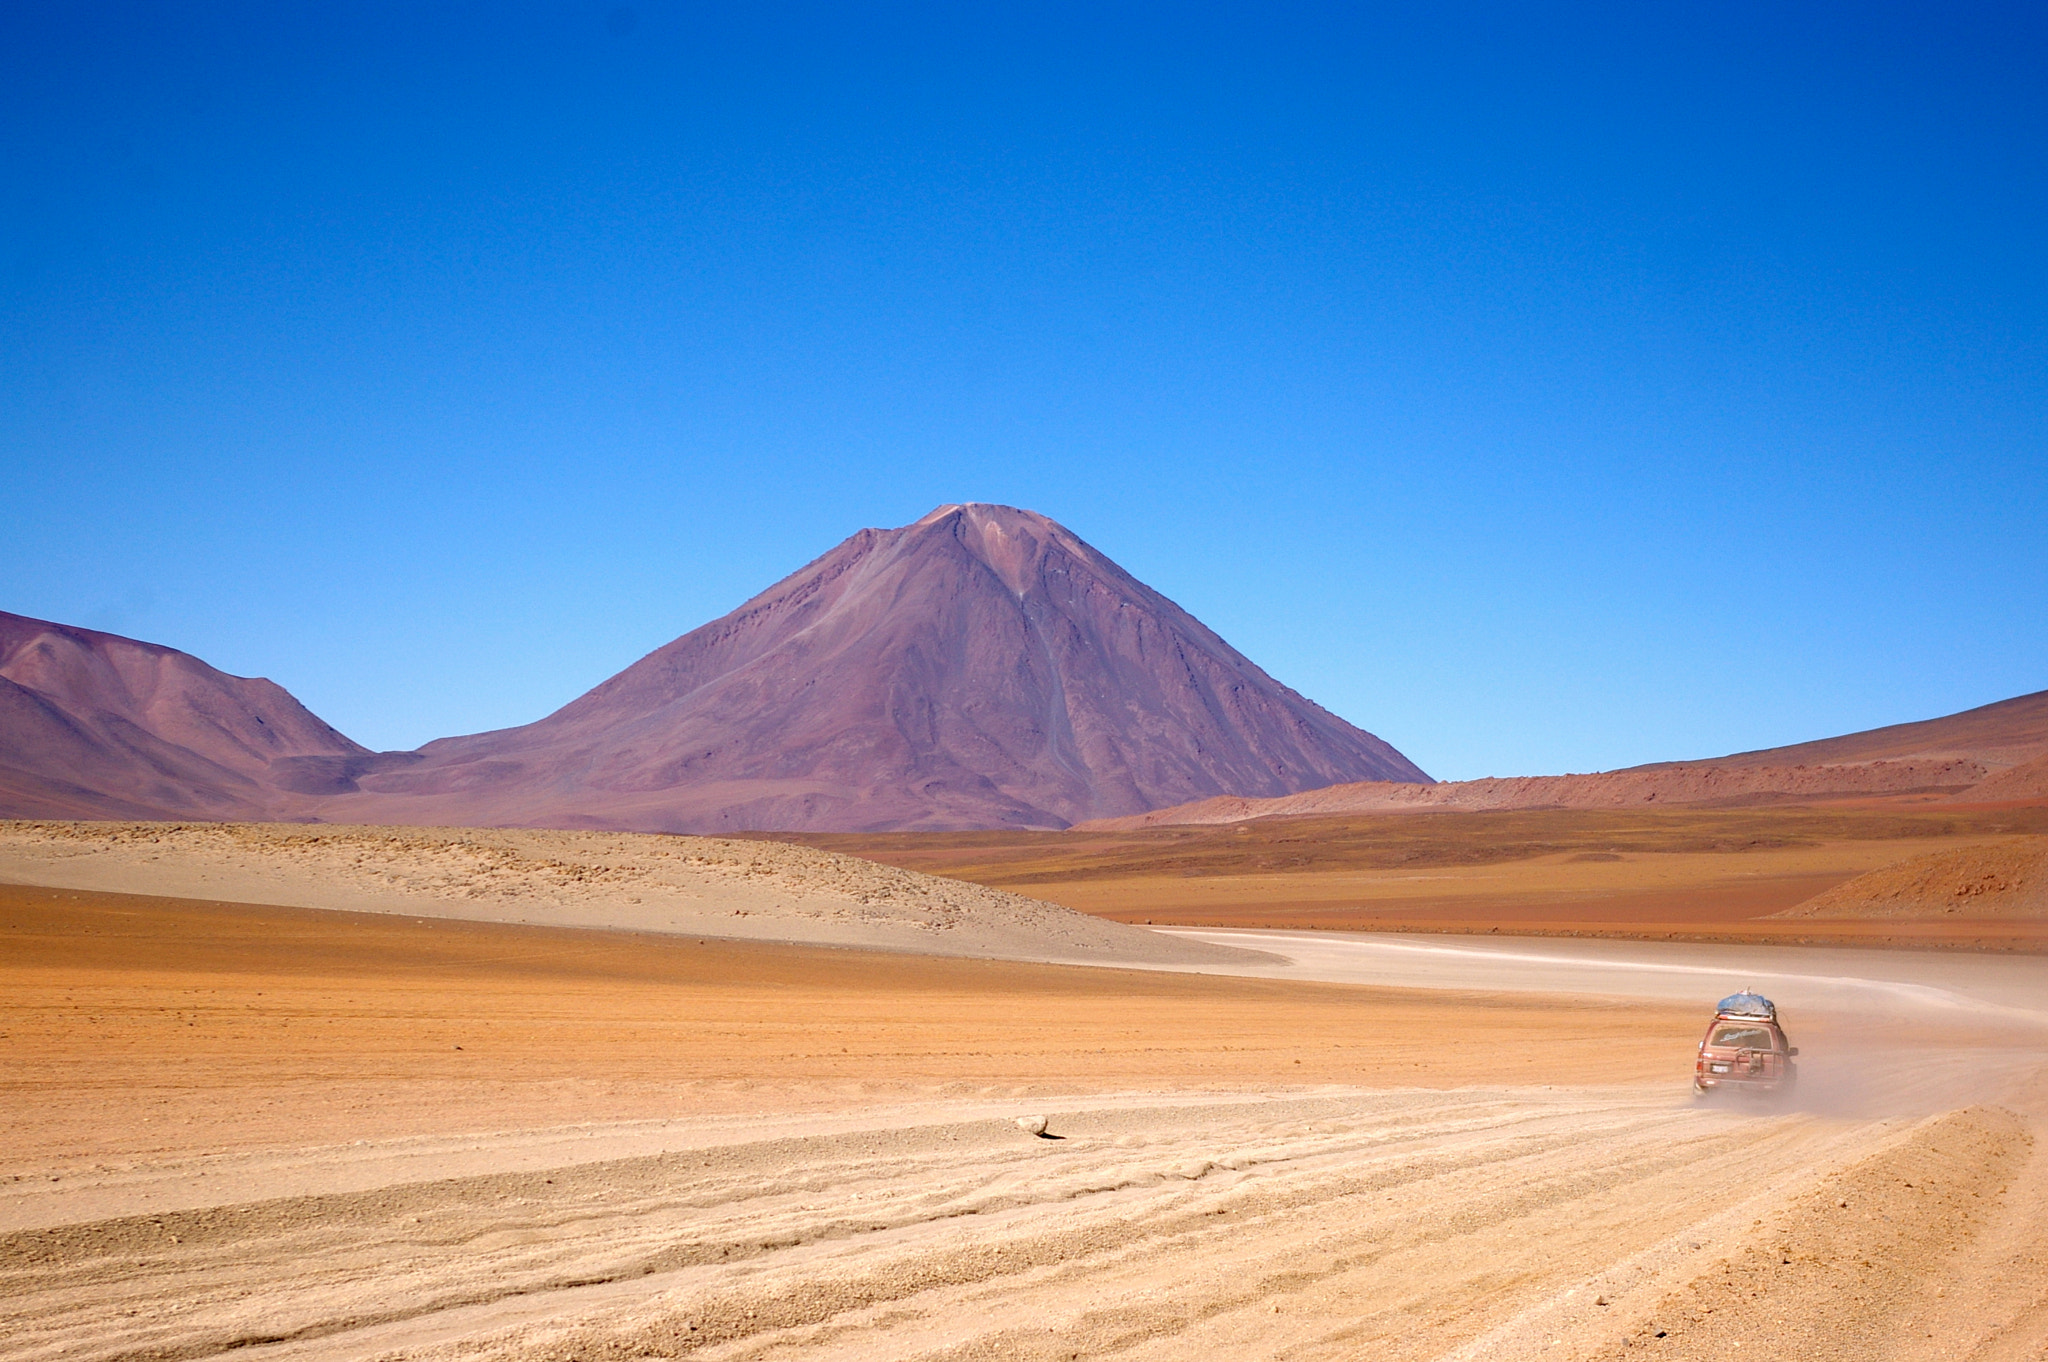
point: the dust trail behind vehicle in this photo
(1881, 1032)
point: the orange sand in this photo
(135, 1025)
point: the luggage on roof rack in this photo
(1747, 1004)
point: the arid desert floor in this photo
(297, 1132)
(1701, 874)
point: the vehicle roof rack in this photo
(1747, 1004)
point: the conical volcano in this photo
(980, 668)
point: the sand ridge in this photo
(629, 881)
(1993, 880)
(2025, 783)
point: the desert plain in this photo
(1754, 873)
(314, 1092)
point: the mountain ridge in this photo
(1988, 754)
(94, 724)
(982, 666)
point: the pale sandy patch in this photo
(627, 881)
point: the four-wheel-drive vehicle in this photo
(1744, 1050)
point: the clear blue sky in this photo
(1542, 391)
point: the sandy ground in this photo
(1692, 874)
(1669, 895)
(142, 1028)
(636, 882)
(295, 1134)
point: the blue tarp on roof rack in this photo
(1747, 1004)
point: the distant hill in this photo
(1995, 736)
(1996, 753)
(94, 725)
(981, 668)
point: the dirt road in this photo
(1570, 1222)
(1904, 986)
(844, 1176)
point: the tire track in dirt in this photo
(1860, 1265)
(1278, 1226)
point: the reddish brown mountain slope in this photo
(981, 668)
(1996, 736)
(95, 725)
(1991, 754)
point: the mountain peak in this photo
(982, 666)
(1010, 542)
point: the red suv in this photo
(1744, 1050)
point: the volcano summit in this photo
(980, 668)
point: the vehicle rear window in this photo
(1743, 1037)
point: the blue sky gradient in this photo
(1542, 392)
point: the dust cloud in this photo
(1880, 1033)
